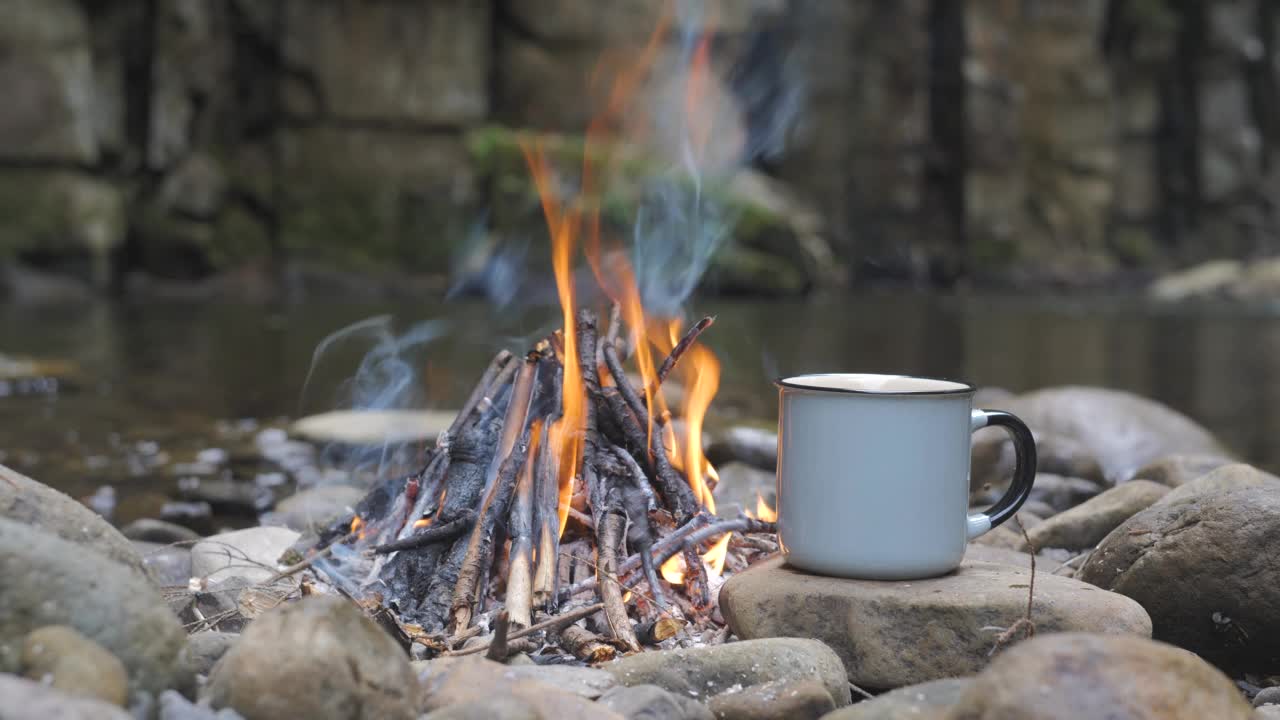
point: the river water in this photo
(167, 380)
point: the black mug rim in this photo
(965, 389)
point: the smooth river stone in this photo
(891, 634)
(373, 427)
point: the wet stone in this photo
(169, 565)
(158, 531)
(891, 634)
(252, 553)
(316, 507)
(206, 648)
(777, 700)
(63, 659)
(30, 700)
(650, 702)
(926, 701)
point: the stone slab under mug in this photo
(873, 474)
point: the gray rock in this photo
(893, 634)
(1078, 675)
(317, 658)
(1267, 712)
(28, 700)
(508, 708)
(175, 707)
(374, 427)
(1227, 477)
(158, 531)
(704, 672)
(51, 581)
(225, 494)
(450, 682)
(1180, 469)
(926, 701)
(252, 553)
(1267, 696)
(1084, 525)
(992, 460)
(1121, 430)
(169, 565)
(776, 700)
(1202, 570)
(1039, 509)
(27, 501)
(65, 660)
(1063, 493)
(1007, 535)
(585, 682)
(317, 507)
(742, 486)
(206, 648)
(998, 555)
(650, 702)
(752, 446)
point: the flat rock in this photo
(65, 660)
(891, 634)
(751, 446)
(317, 507)
(704, 672)
(926, 701)
(1222, 479)
(29, 700)
(51, 581)
(776, 700)
(252, 553)
(1079, 675)
(650, 702)
(585, 682)
(505, 707)
(1206, 571)
(1084, 525)
(158, 531)
(317, 658)
(742, 487)
(1267, 696)
(467, 680)
(169, 565)
(33, 503)
(998, 555)
(1123, 431)
(373, 427)
(1180, 468)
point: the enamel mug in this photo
(873, 474)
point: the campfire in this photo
(563, 490)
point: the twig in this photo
(586, 645)
(865, 695)
(674, 539)
(638, 479)
(431, 534)
(552, 622)
(519, 600)
(620, 381)
(615, 610)
(300, 566)
(665, 368)
(547, 576)
(498, 646)
(1024, 627)
(696, 538)
(498, 363)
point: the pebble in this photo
(650, 702)
(775, 700)
(65, 660)
(25, 699)
(926, 701)
(252, 553)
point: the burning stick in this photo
(681, 347)
(550, 623)
(479, 549)
(431, 534)
(548, 501)
(586, 645)
(520, 577)
(615, 610)
(624, 385)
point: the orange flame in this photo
(357, 527)
(578, 222)
(673, 570)
(422, 522)
(763, 511)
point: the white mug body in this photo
(873, 475)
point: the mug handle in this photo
(1024, 472)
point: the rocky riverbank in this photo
(1150, 548)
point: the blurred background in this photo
(195, 193)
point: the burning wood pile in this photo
(560, 492)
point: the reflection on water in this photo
(161, 375)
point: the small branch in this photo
(519, 600)
(637, 476)
(689, 338)
(615, 609)
(620, 381)
(586, 645)
(499, 362)
(1025, 627)
(571, 616)
(431, 534)
(498, 646)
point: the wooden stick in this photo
(663, 627)
(665, 368)
(485, 406)
(615, 610)
(586, 645)
(429, 482)
(517, 416)
(675, 489)
(431, 534)
(498, 363)
(498, 647)
(674, 539)
(637, 477)
(479, 552)
(519, 600)
(550, 623)
(634, 401)
(546, 577)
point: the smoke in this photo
(387, 378)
